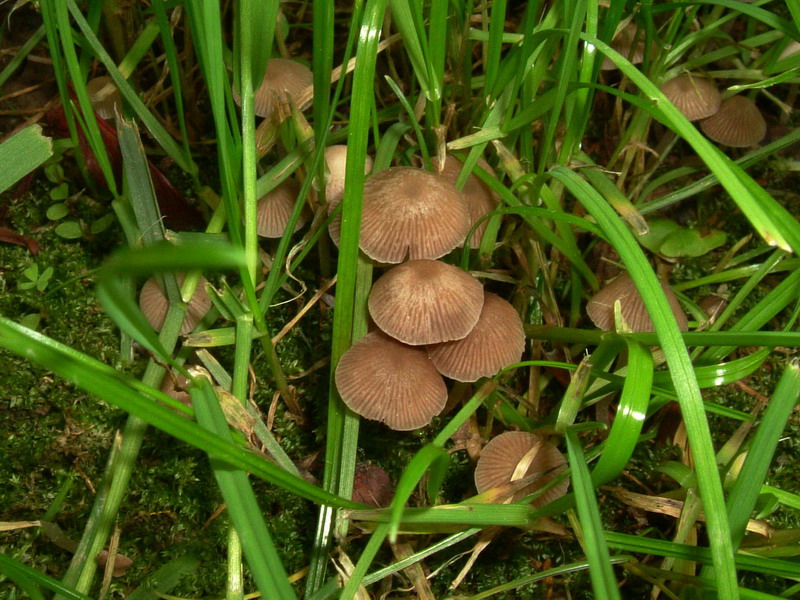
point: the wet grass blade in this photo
(630, 415)
(243, 510)
(683, 377)
(604, 583)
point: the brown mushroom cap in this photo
(409, 214)
(478, 196)
(623, 43)
(426, 302)
(336, 159)
(737, 123)
(496, 341)
(503, 461)
(381, 379)
(283, 79)
(104, 96)
(695, 97)
(154, 305)
(601, 307)
(274, 209)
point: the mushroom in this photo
(479, 198)
(409, 214)
(695, 97)
(426, 302)
(601, 307)
(737, 123)
(104, 96)
(381, 379)
(336, 161)
(623, 43)
(372, 485)
(284, 80)
(496, 341)
(516, 455)
(275, 207)
(154, 304)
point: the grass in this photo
(578, 154)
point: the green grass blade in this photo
(604, 583)
(744, 494)
(243, 510)
(630, 415)
(682, 372)
(127, 393)
(22, 153)
(30, 579)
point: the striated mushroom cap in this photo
(274, 209)
(283, 79)
(496, 341)
(426, 302)
(737, 123)
(623, 43)
(515, 455)
(410, 214)
(154, 305)
(478, 196)
(601, 307)
(695, 97)
(381, 379)
(104, 96)
(336, 159)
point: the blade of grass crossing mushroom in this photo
(681, 369)
(351, 288)
(604, 583)
(772, 222)
(630, 415)
(262, 557)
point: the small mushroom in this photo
(516, 455)
(104, 96)
(409, 214)
(696, 97)
(623, 43)
(154, 305)
(478, 196)
(601, 307)
(336, 160)
(381, 379)
(284, 79)
(274, 209)
(496, 341)
(737, 123)
(426, 302)
(372, 485)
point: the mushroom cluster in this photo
(734, 121)
(434, 319)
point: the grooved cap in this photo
(478, 196)
(275, 208)
(496, 341)
(154, 304)
(695, 97)
(410, 214)
(336, 159)
(504, 460)
(737, 123)
(426, 302)
(283, 78)
(381, 379)
(601, 307)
